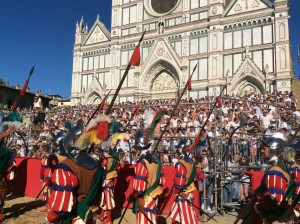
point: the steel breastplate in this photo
(86, 160)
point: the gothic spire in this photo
(81, 24)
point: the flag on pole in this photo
(137, 110)
(190, 84)
(219, 101)
(23, 91)
(135, 59)
(136, 56)
(102, 104)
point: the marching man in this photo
(271, 197)
(185, 173)
(112, 166)
(148, 180)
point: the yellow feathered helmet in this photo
(116, 135)
(9, 123)
(96, 132)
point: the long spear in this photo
(23, 90)
(135, 61)
(100, 107)
(132, 115)
(202, 130)
(175, 108)
(115, 147)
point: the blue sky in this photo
(41, 33)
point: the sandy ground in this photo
(24, 210)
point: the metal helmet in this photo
(58, 137)
(183, 145)
(141, 141)
(295, 146)
(76, 131)
(276, 143)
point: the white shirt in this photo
(22, 152)
(266, 120)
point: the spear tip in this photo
(142, 37)
(31, 70)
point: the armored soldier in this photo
(271, 197)
(8, 124)
(112, 166)
(148, 180)
(291, 155)
(185, 174)
(75, 186)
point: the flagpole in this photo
(29, 119)
(134, 112)
(203, 126)
(123, 77)
(175, 108)
(103, 101)
(118, 90)
(23, 90)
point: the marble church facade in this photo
(243, 44)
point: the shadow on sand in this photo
(18, 209)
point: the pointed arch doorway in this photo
(247, 88)
(162, 81)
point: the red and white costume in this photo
(45, 173)
(182, 211)
(271, 196)
(70, 185)
(145, 177)
(295, 170)
(107, 199)
(107, 202)
(63, 198)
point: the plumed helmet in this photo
(96, 132)
(141, 141)
(276, 143)
(115, 127)
(76, 131)
(289, 154)
(59, 137)
(9, 123)
(295, 146)
(183, 145)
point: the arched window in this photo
(283, 58)
(214, 67)
(281, 31)
(214, 41)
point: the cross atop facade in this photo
(185, 18)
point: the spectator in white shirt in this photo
(266, 119)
